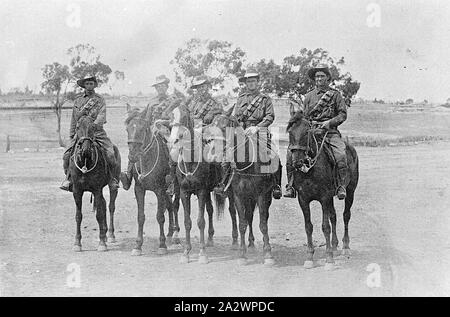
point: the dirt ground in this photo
(399, 228)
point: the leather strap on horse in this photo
(322, 103)
(251, 108)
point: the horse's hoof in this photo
(251, 248)
(346, 252)
(76, 248)
(203, 259)
(329, 266)
(102, 248)
(169, 240)
(269, 262)
(235, 246)
(112, 239)
(336, 253)
(175, 247)
(308, 264)
(136, 252)
(210, 243)
(242, 261)
(176, 241)
(162, 251)
(184, 259)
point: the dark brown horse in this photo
(148, 151)
(196, 176)
(89, 172)
(314, 180)
(250, 185)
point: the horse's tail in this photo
(219, 201)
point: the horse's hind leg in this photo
(234, 232)
(242, 228)
(304, 205)
(169, 207)
(203, 258)
(210, 211)
(162, 249)
(176, 208)
(78, 197)
(100, 205)
(112, 209)
(347, 215)
(139, 193)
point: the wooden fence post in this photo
(8, 143)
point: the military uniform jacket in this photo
(160, 107)
(204, 107)
(94, 106)
(329, 107)
(254, 109)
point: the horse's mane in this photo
(294, 119)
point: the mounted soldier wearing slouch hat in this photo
(254, 112)
(92, 105)
(326, 107)
(160, 107)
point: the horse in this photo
(149, 153)
(89, 172)
(250, 187)
(314, 180)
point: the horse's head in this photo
(85, 134)
(138, 130)
(299, 129)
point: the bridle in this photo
(143, 150)
(84, 169)
(310, 161)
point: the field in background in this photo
(367, 124)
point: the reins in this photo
(84, 169)
(141, 176)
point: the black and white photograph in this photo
(213, 149)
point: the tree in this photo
(290, 78)
(219, 60)
(56, 78)
(83, 61)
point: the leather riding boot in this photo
(170, 179)
(67, 183)
(276, 192)
(112, 166)
(342, 176)
(290, 190)
(127, 177)
(220, 188)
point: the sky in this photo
(396, 49)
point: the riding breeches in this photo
(337, 146)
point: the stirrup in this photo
(341, 193)
(290, 192)
(276, 192)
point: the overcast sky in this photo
(406, 54)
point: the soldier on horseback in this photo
(159, 108)
(202, 108)
(93, 105)
(326, 106)
(254, 112)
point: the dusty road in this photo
(400, 225)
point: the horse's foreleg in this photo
(112, 208)
(304, 205)
(347, 214)
(249, 210)
(78, 197)
(186, 201)
(203, 258)
(176, 208)
(100, 206)
(232, 209)
(139, 193)
(161, 219)
(210, 211)
(242, 229)
(169, 207)
(332, 214)
(326, 229)
(264, 202)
